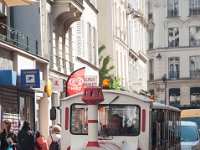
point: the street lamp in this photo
(164, 79)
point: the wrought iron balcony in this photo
(194, 11)
(195, 73)
(174, 103)
(195, 102)
(80, 1)
(61, 63)
(17, 39)
(174, 75)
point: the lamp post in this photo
(164, 79)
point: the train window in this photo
(114, 120)
(79, 118)
(119, 120)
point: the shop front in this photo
(17, 105)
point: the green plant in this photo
(116, 84)
(104, 71)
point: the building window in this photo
(172, 8)
(195, 67)
(195, 96)
(194, 36)
(150, 11)
(173, 37)
(150, 39)
(174, 97)
(174, 71)
(194, 8)
(151, 69)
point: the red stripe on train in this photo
(143, 120)
(93, 144)
(92, 121)
(66, 118)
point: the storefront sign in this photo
(90, 81)
(57, 85)
(30, 78)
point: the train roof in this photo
(126, 93)
(159, 105)
(130, 94)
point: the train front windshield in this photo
(113, 120)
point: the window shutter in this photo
(79, 39)
(95, 47)
(89, 50)
(83, 39)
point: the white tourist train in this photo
(144, 124)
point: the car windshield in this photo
(193, 119)
(189, 134)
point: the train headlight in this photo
(106, 84)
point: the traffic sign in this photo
(30, 78)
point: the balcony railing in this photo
(194, 11)
(174, 75)
(174, 103)
(61, 63)
(17, 39)
(195, 73)
(195, 102)
(80, 1)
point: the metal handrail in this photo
(62, 63)
(80, 1)
(174, 74)
(16, 38)
(195, 73)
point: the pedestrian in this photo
(40, 142)
(7, 136)
(55, 137)
(26, 137)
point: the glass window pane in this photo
(123, 120)
(120, 120)
(173, 37)
(188, 134)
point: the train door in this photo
(158, 132)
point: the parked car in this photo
(190, 139)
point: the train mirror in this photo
(160, 116)
(53, 113)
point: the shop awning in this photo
(194, 90)
(174, 91)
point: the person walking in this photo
(26, 137)
(7, 136)
(54, 138)
(40, 142)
